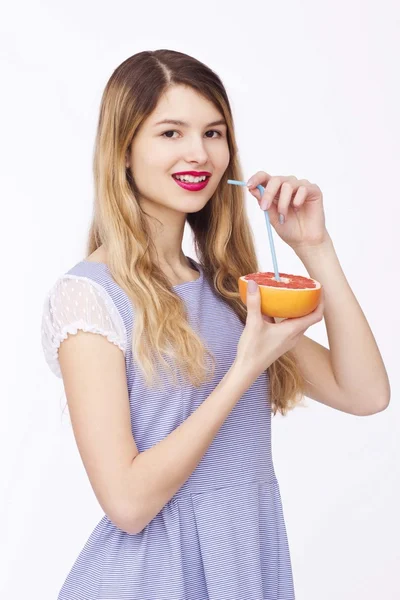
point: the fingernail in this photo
(249, 183)
(281, 219)
(252, 286)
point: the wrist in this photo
(243, 376)
(324, 245)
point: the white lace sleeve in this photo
(78, 303)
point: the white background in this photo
(314, 88)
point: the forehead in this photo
(184, 104)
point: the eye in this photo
(170, 131)
(175, 131)
(215, 131)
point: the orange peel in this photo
(293, 296)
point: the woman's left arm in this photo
(350, 375)
(356, 361)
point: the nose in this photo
(196, 151)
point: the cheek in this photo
(159, 163)
(146, 167)
(222, 158)
(228, 159)
(223, 164)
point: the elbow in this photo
(368, 409)
(128, 520)
(383, 406)
(120, 514)
(126, 523)
(135, 526)
(374, 402)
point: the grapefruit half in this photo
(293, 296)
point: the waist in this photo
(199, 485)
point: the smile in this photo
(192, 187)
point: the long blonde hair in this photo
(222, 235)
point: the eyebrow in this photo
(184, 124)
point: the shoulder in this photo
(75, 302)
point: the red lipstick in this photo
(192, 187)
(194, 173)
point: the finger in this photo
(275, 193)
(285, 198)
(298, 325)
(256, 193)
(279, 319)
(259, 178)
(316, 315)
(253, 304)
(267, 318)
(270, 192)
(321, 304)
(300, 197)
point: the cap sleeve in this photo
(78, 303)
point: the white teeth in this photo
(190, 178)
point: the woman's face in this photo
(160, 150)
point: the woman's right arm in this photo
(131, 486)
(159, 472)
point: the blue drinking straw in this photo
(269, 228)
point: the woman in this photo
(171, 404)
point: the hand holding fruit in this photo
(262, 341)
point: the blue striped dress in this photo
(222, 536)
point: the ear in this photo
(127, 165)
